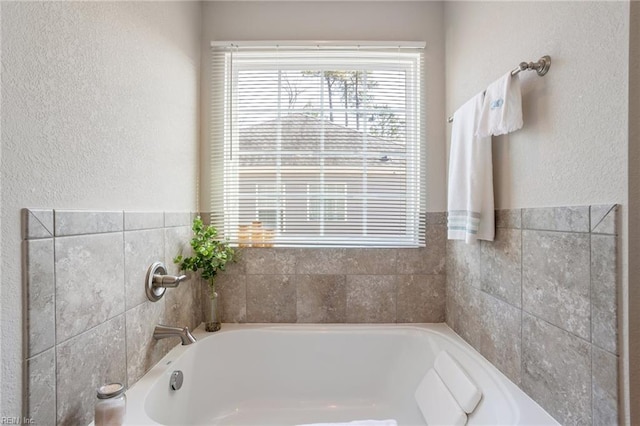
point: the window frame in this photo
(232, 173)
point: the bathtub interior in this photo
(290, 375)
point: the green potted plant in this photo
(210, 255)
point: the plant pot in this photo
(212, 322)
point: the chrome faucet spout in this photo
(164, 331)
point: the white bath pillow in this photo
(463, 389)
(436, 403)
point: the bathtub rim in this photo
(136, 414)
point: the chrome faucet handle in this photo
(167, 281)
(157, 281)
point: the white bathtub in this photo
(295, 374)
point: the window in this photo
(327, 205)
(266, 202)
(318, 146)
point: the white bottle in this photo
(111, 405)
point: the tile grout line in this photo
(593, 227)
(591, 385)
(606, 350)
(55, 324)
(521, 302)
(446, 284)
(591, 311)
(29, 213)
(395, 314)
(68, 339)
(481, 301)
(572, 334)
(395, 279)
(558, 231)
(37, 354)
(26, 335)
(124, 310)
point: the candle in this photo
(244, 235)
(256, 233)
(111, 406)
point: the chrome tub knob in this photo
(158, 281)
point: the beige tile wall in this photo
(540, 302)
(88, 320)
(338, 285)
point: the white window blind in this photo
(318, 146)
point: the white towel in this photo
(390, 422)
(502, 108)
(470, 201)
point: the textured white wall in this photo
(99, 103)
(99, 111)
(573, 149)
(339, 20)
(573, 143)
